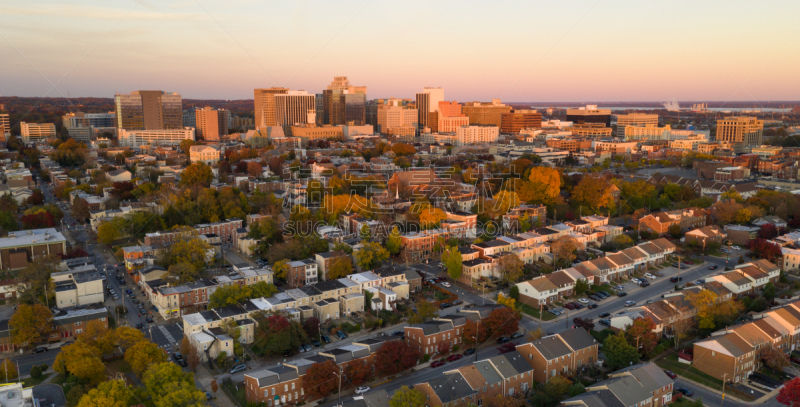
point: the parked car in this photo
(470, 351)
(606, 322)
(516, 335)
(326, 339)
(630, 303)
(675, 279)
(619, 288)
(446, 284)
(437, 363)
(569, 305)
(398, 333)
(503, 339)
(621, 294)
(578, 306)
(139, 326)
(714, 267)
(453, 358)
(445, 305)
(458, 302)
(650, 276)
(208, 396)
(181, 363)
(341, 334)
(644, 284)
(307, 347)
(149, 320)
(596, 298)
(316, 344)
(670, 374)
(636, 280)
(238, 368)
(686, 392)
(507, 347)
(603, 294)
(592, 306)
(604, 314)
(40, 350)
(583, 300)
(362, 389)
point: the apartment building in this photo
(428, 337)
(139, 138)
(474, 134)
(295, 107)
(211, 124)
(705, 235)
(546, 289)
(559, 354)
(395, 119)
(36, 132)
(642, 385)
(420, 245)
(175, 301)
(689, 218)
(78, 286)
(748, 278)
(536, 216)
(20, 248)
(428, 102)
(148, 110)
(342, 103)
(264, 105)
(590, 114)
(635, 119)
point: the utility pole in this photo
(477, 329)
(724, 376)
(566, 321)
(540, 316)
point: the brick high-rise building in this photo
(517, 120)
(211, 124)
(5, 126)
(589, 114)
(149, 110)
(393, 117)
(635, 119)
(740, 130)
(294, 107)
(489, 114)
(428, 102)
(447, 119)
(344, 103)
(264, 104)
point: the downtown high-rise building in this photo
(488, 114)
(210, 123)
(427, 102)
(344, 103)
(744, 131)
(264, 104)
(5, 126)
(148, 110)
(295, 107)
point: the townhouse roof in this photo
(474, 376)
(492, 243)
(560, 279)
(510, 364)
(372, 343)
(389, 271)
(767, 328)
(372, 399)
(627, 389)
(273, 375)
(597, 398)
(730, 344)
(434, 327)
(635, 253)
(457, 319)
(649, 375)
(619, 258)
(451, 387)
(364, 277)
(765, 266)
(717, 288)
(230, 311)
(735, 277)
(551, 347)
(329, 285)
(753, 272)
(751, 334)
(577, 338)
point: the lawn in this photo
(29, 382)
(440, 296)
(670, 362)
(236, 394)
(534, 312)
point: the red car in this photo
(453, 358)
(437, 363)
(569, 306)
(507, 347)
(670, 374)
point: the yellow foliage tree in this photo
(281, 268)
(505, 200)
(113, 393)
(98, 335)
(430, 217)
(81, 360)
(507, 301)
(704, 303)
(545, 184)
(127, 336)
(29, 324)
(142, 355)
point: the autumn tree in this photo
(395, 356)
(675, 231)
(191, 353)
(641, 332)
(281, 269)
(680, 330)
(127, 337)
(451, 258)
(584, 323)
(80, 208)
(358, 373)
(703, 302)
(790, 393)
(474, 331)
(112, 393)
(8, 370)
(511, 268)
(545, 185)
(197, 174)
(340, 267)
(370, 256)
(318, 378)
(581, 286)
(430, 217)
(533, 335)
(97, 334)
(169, 386)
(80, 360)
(557, 387)
(564, 249)
(408, 397)
(426, 311)
(109, 231)
(775, 359)
(394, 244)
(764, 249)
(593, 192)
(143, 354)
(618, 352)
(30, 324)
(190, 250)
(502, 322)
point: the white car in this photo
(445, 284)
(630, 303)
(650, 276)
(362, 389)
(583, 300)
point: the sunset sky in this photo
(520, 51)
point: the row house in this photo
(546, 289)
(225, 229)
(302, 272)
(66, 325)
(428, 336)
(246, 276)
(420, 245)
(463, 224)
(175, 301)
(560, 354)
(536, 215)
(689, 218)
(326, 260)
(705, 235)
(748, 278)
(642, 385)
(135, 258)
(616, 265)
(735, 352)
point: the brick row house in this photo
(428, 336)
(735, 352)
(687, 219)
(748, 278)
(226, 230)
(66, 325)
(560, 354)
(642, 385)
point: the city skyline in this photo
(588, 51)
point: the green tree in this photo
(364, 233)
(557, 387)
(513, 292)
(426, 310)
(451, 258)
(581, 286)
(394, 243)
(618, 352)
(769, 291)
(408, 397)
(675, 231)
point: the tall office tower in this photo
(294, 107)
(32, 132)
(396, 119)
(211, 124)
(517, 120)
(635, 119)
(264, 100)
(81, 119)
(746, 131)
(319, 98)
(427, 102)
(344, 103)
(447, 118)
(490, 114)
(5, 126)
(190, 118)
(149, 110)
(589, 114)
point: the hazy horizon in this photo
(521, 52)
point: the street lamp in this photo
(339, 395)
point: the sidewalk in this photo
(203, 377)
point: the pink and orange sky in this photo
(520, 51)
